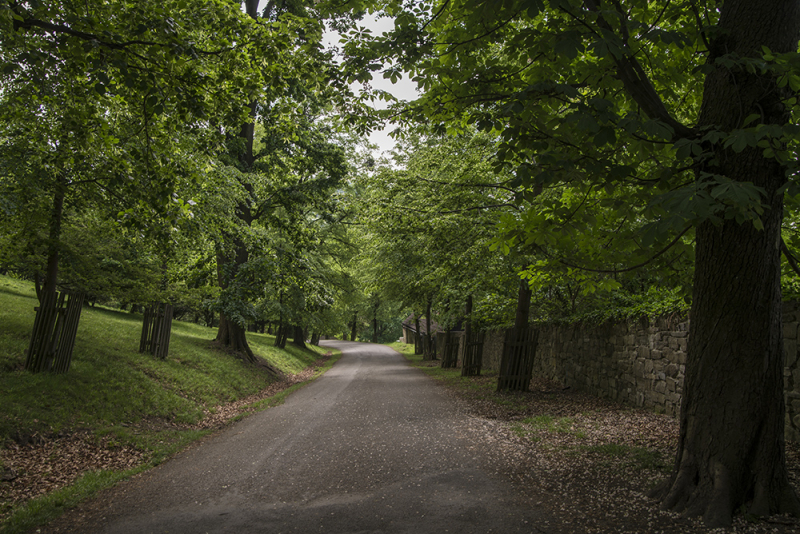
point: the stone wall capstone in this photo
(638, 362)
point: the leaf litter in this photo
(588, 461)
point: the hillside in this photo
(116, 409)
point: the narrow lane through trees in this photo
(372, 446)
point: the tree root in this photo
(716, 498)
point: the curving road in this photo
(372, 446)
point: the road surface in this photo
(372, 446)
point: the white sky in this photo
(404, 89)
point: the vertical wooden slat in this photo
(66, 344)
(473, 355)
(516, 364)
(450, 351)
(166, 331)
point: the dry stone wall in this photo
(640, 363)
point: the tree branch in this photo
(627, 269)
(790, 257)
(29, 24)
(638, 85)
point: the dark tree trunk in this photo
(48, 289)
(523, 313)
(731, 449)
(232, 336)
(354, 327)
(427, 352)
(417, 335)
(281, 335)
(299, 337)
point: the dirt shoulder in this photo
(592, 462)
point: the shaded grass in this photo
(483, 387)
(111, 383)
(639, 458)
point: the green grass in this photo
(484, 387)
(110, 386)
(636, 457)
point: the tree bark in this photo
(731, 445)
(523, 312)
(354, 327)
(53, 245)
(230, 334)
(299, 337)
(417, 335)
(427, 352)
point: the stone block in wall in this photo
(680, 357)
(673, 343)
(790, 330)
(644, 352)
(656, 398)
(790, 353)
(671, 370)
(660, 387)
(672, 384)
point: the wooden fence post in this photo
(473, 355)
(156, 330)
(450, 351)
(516, 364)
(54, 331)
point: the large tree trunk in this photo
(731, 449)
(427, 351)
(417, 335)
(54, 244)
(299, 337)
(522, 315)
(230, 334)
(354, 327)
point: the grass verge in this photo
(117, 399)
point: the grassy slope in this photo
(111, 386)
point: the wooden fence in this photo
(156, 329)
(450, 351)
(473, 355)
(516, 363)
(54, 331)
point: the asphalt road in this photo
(372, 446)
